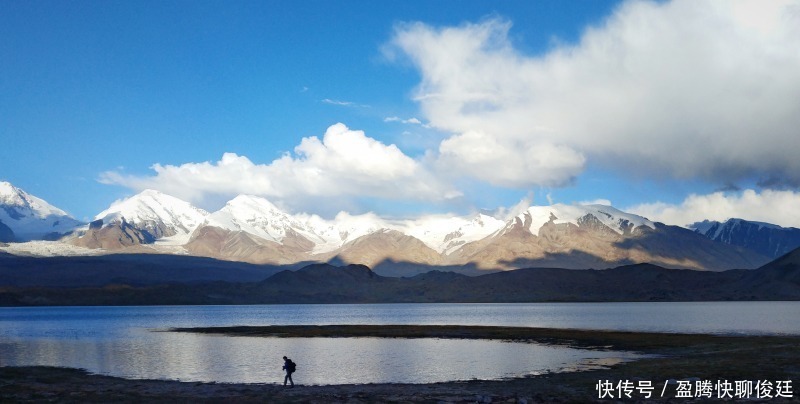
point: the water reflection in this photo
(192, 357)
(698, 317)
(121, 341)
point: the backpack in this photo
(291, 366)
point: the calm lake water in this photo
(131, 342)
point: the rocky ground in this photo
(675, 357)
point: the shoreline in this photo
(673, 357)
(580, 338)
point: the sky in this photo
(676, 110)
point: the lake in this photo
(131, 342)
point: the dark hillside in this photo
(323, 283)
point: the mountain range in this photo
(251, 229)
(324, 283)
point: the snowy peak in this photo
(31, 218)
(445, 234)
(537, 216)
(448, 234)
(159, 214)
(717, 230)
(767, 239)
(253, 204)
(258, 216)
(343, 229)
(13, 198)
(253, 229)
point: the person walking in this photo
(289, 367)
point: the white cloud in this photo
(688, 88)
(777, 207)
(409, 121)
(344, 103)
(596, 202)
(338, 102)
(343, 164)
(506, 213)
(509, 163)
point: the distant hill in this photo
(129, 269)
(324, 283)
(787, 261)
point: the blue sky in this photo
(566, 100)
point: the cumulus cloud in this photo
(509, 163)
(344, 163)
(770, 206)
(688, 88)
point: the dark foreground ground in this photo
(692, 357)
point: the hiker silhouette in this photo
(289, 367)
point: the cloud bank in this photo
(767, 206)
(343, 164)
(681, 89)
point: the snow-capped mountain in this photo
(158, 214)
(252, 229)
(572, 236)
(343, 229)
(259, 217)
(252, 226)
(446, 234)
(256, 216)
(767, 239)
(535, 217)
(597, 236)
(32, 218)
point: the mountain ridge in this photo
(158, 214)
(767, 239)
(252, 229)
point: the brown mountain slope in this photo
(112, 237)
(590, 244)
(387, 245)
(223, 244)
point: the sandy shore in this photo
(690, 357)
